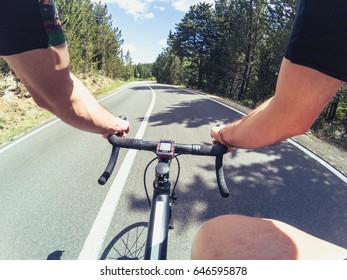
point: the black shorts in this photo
(27, 25)
(319, 37)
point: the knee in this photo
(241, 237)
(212, 239)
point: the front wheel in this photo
(129, 244)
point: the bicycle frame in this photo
(159, 221)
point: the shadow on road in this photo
(279, 182)
(56, 255)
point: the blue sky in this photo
(145, 24)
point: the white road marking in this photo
(318, 159)
(97, 235)
(26, 136)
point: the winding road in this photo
(51, 205)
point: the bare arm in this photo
(46, 75)
(301, 94)
(82, 111)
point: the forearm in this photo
(264, 126)
(301, 95)
(82, 111)
(88, 117)
(46, 75)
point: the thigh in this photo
(235, 237)
(242, 237)
(308, 246)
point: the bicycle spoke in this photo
(130, 245)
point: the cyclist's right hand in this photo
(217, 133)
(119, 126)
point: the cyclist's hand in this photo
(119, 126)
(217, 133)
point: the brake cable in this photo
(145, 173)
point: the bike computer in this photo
(165, 148)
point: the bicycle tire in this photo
(129, 244)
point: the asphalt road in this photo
(50, 201)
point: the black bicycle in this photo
(156, 241)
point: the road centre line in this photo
(97, 235)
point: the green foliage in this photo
(332, 122)
(94, 44)
(168, 68)
(193, 40)
(143, 71)
(235, 50)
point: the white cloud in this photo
(148, 16)
(160, 8)
(163, 42)
(137, 8)
(183, 5)
(129, 47)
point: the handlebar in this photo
(217, 151)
